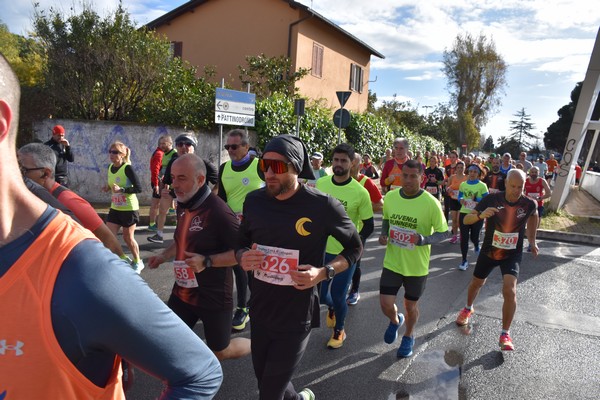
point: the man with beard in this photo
(357, 202)
(282, 240)
(507, 214)
(203, 254)
(495, 179)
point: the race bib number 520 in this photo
(277, 265)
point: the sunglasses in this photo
(277, 166)
(114, 152)
(181, 144)
(233, 147)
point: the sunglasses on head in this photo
(114, 152)
(233, 147)
(186, 144)
(277, 166)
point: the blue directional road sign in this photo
(233, 107)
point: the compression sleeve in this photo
(101, 307)
(136, 187)
(221, 193)
(385, 227)
(367, 229)
(211, 172)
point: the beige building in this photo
(222, 33)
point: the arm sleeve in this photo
(155, 164)
(135, 182)
(166, 180)
(221, 193)
(101, 307)
(367, 229)
(385, 227)
(69, 154)
(211, 172)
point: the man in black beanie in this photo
(283, 236)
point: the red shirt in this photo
(373, 190)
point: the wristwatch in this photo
(207, 263)
(329, 272)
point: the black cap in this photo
(294, 150)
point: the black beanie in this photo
(294, 150)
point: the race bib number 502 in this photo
(277, 265)
(402, 237)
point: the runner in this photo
(203, 241)
(391, 175)
(507, 213)
(84, 308)
(539, 190)
(316, 160)
(495, 179)
(454, 205)
(449, 170)
(237, 178)
(357, 204)
(377, 205)
(434, 178)
(283, 237)
(412, 220)
(124, 213)
(158, 164)
(470, 193)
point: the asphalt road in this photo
(556, 334)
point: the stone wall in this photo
(91, 140)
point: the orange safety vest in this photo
(32, 363)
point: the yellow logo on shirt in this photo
(300, 226)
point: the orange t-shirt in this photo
(32, 363)
(552, 164)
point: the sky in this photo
(546, 45)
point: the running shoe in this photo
(476, 249)
(155, 238)
(454, 239)
(464, 316)
(529, 249)
(391, 333)
(240, 318)
(506, 343)
(406, 347)
(307, 394)
(463, 265)
(137, 266)
(353, 298)
(171, 211)
(330, 318)
(152, 228)
(337, 339)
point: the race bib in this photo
(506, 241)
(492, 190)
(277, 265)
(184, 275)
(470, 204)
(119, 199)
(534, 195)
(432, 189)
(454, 194)
(402, 237)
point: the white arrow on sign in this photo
(235, 107)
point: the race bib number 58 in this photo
(184, 275)
(277, 265)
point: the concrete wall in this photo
(591, 184)
(91, 140)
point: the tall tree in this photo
(99, 68)
(476, 76)
(521, 130)
(557, 133)
(488, 145)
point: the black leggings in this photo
(357, 273)
(467, 231)
(275, 356)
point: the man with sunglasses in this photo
(237, 178)
(283, 236)
(184, 143)
(357, 203)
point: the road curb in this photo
(569, 237)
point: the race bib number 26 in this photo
(277, 265)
